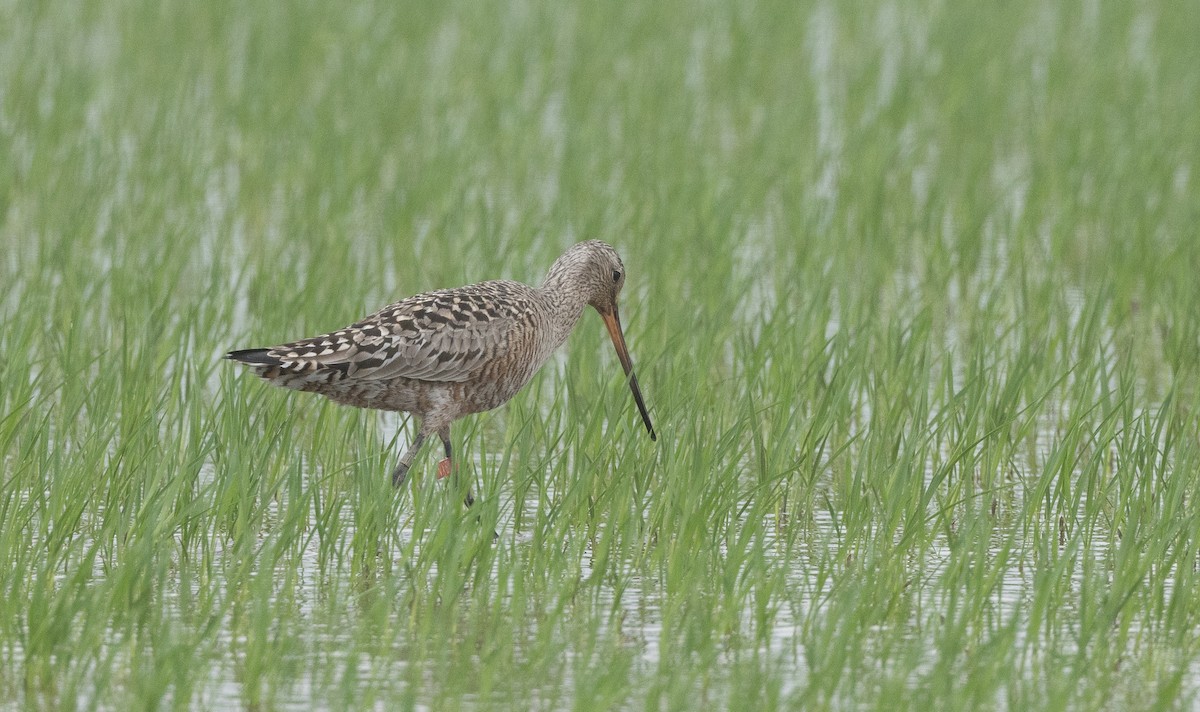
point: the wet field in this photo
(910, 292)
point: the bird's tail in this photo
(275, 367)
(254, 357)
(263, 364)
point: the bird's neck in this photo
(565, 301)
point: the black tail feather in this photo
(254, 357)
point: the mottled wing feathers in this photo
(444, 336)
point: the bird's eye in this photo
(616, 276)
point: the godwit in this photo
(449, 353)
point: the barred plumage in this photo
(449, 353)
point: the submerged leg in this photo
(445, 467)
(400, 474)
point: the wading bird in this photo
(452, 352)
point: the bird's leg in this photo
(400, 474)
(446, 467)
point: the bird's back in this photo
(482, 341)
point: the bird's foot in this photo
(445, 467)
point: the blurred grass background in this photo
(911, 293)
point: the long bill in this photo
(613, 321)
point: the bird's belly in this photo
(443, 401)
(452, 400)
(486, 395)
(395, 394)
(497, 383)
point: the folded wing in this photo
(444, 336)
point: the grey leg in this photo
(400, 474)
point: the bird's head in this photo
(594, 269)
